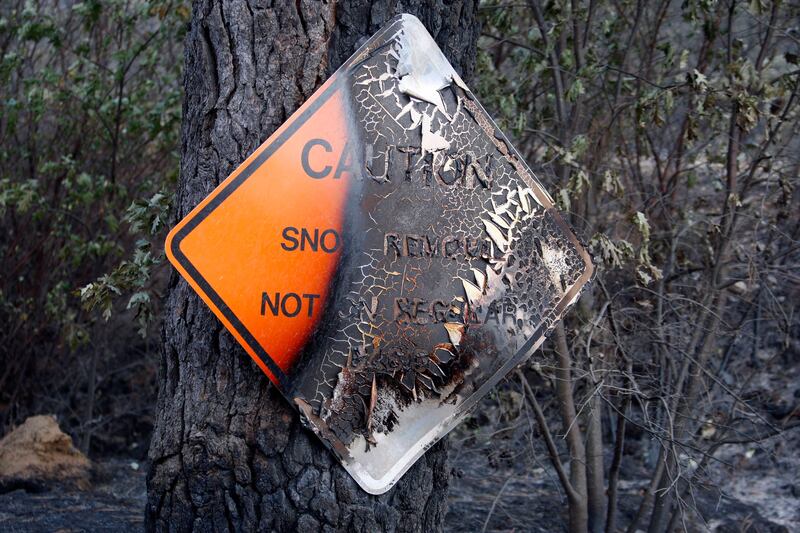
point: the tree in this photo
(228, 452)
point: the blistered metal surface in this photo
(385, 257)
(457, 269)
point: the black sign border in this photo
(216, 201)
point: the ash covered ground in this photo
(501, 481)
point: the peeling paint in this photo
(456, 264)
(422, 74)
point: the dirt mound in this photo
(38, 452)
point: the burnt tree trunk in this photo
(228, 453)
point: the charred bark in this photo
(228, 453)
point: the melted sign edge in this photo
(384, 483)
(173, 251)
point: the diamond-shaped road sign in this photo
(385, 257)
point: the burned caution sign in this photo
(385, 257)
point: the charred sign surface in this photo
(386, 257)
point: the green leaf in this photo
(575, 91)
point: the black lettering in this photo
(454, 174)
(452, 246)
(439, 311)
(413, 248)
(470, 316)
(329, 240)
(486, 249)
(289, 305)
(427, 170)
(492, 313)
(316, 174)
(402, 311)
(509, 312)
(430, 248)
(454, 313)
(288, 237)
(482, 172)
(419, 318)
(310, 298)
(479, 248)
(298, 305)
(371, 311)
(408, 163)
(323, 240)
(371, 166)
(391, 240)
(305, 237)
(346, 163)
(473, 247)
(266, 301)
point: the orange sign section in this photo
(263, 248)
